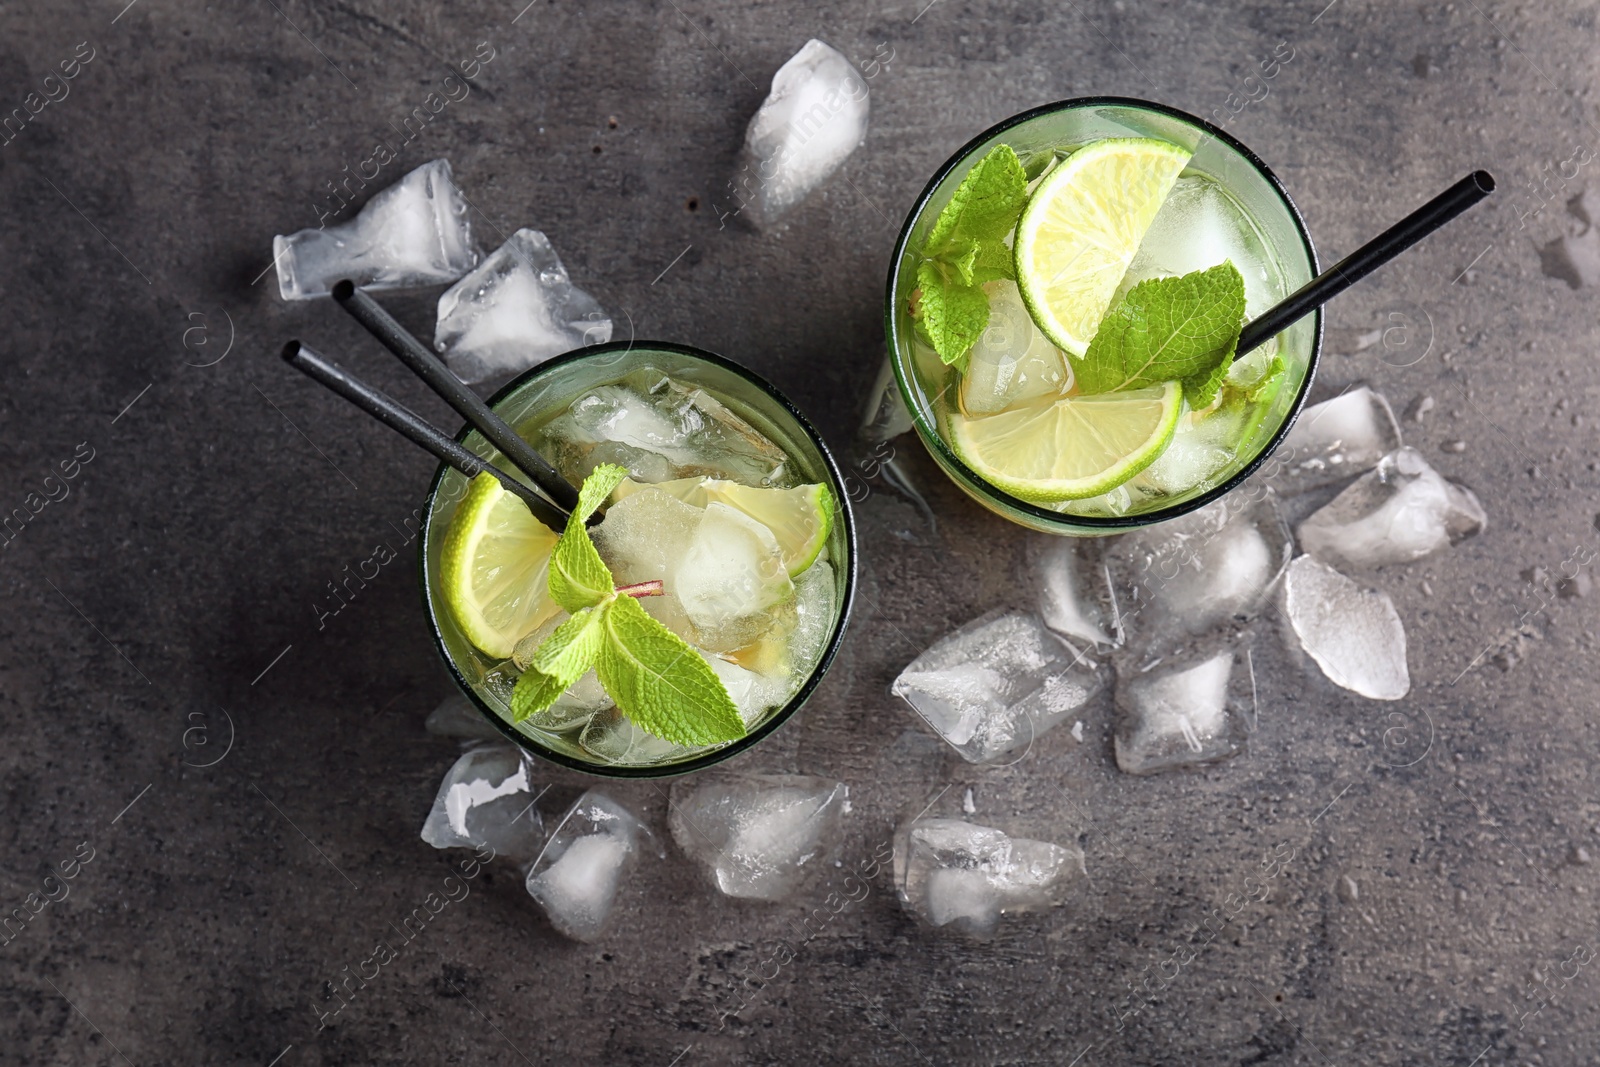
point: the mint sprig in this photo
(1169, 329)
(656, 678)
(965, 249)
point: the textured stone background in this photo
(166, 605)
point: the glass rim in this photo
(933, 440)
(774, 721)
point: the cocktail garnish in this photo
(656, 678)
(1169, 329)
(967, 248)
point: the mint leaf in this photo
(986, 203)
(1201, 389)
(953, 315)
(965, 260)
(1169, 329)
(602, 481)
(661, 683)
(561, 660)
(966, 248)
(534, 693)
(572, 648)
(579, 578)
(993, 262)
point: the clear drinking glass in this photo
(537, 395)
(927, 385)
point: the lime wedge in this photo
(1071, 448)
(800, 518)
(1082, 227)
(494, 567)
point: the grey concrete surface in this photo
(1438, 905)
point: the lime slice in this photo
(800, 518)
(494, 567)
(1082, 227)
(1071, 448)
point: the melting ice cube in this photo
(1353, 634)
(486, 798)
(577, 877)
(1399, 512)
(1335, 439)
(416, 232)
(516, 310)
(997, 683)
(964, 876)
(814, 117)
(763, 837)
(1176, 716)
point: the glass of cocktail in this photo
(731, 528)
(1063, 305)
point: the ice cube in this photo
(612, 737)
(1399, 512)
(1202, 448)
(1200, 225)
(1176, 716)
(486, 798)
(1353, 634)
(577, 877)
(732, 569)
(997, 683)
(814, 607)
(1012, 361)
(644, 534)
(416, 232)
(456, 716)
(752, 693)
(1335, 439)
(1200, 573)
(964, 876)
(814, 117)
(516, 310)
(573, 709)
(1074, 592)
(661, 429)
(763, 837)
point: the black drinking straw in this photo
(412, 426)
(425, 365)
(1368, 258)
